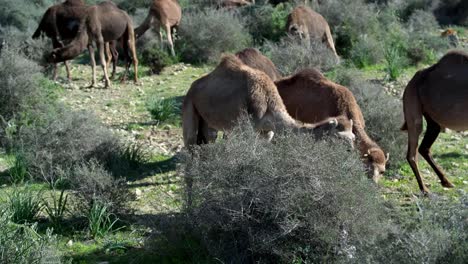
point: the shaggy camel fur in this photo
(61, 23)
(103, 23)
(255, 59)
(440, 94)
(309, 96)
(165, 14)
(309, 25)
(220, 98)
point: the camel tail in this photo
(141, 29)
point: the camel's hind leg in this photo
(102, 49)
(67, 67)
(115, 57)
(190, 124)
(132, 47)
(432, 131)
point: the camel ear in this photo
(368, 152)
(366, 155)
(351, 121)
(388, 157)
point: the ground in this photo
(123, 109)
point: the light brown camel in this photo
(309, 96)
(232, 4)
(310, 25)
(103, 23)
(232, 89)
(165, 14)
(255, 59)
(440, 94)
(60, 23)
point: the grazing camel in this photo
(232, 4)
(440, 94)
(220, 98)
(61, 23)
(309, 96)
(103, 23)
(165, 14)
(310, 25)
(255, 59)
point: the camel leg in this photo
(108, 55)
(115, 58)
(93, 64)
(102, 57)
(67, 67)
(132, 47)
(414, 130)
(169, 39)
(190, 125)
(432, 131)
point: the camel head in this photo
(297, 31)
(375, 161)
(57, 55)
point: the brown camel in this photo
(310, 25)
(309, 96)
(103, 23)
(232, 4)
(220, 98)
(440, 94)
(61, 23)
(255, 59)
(165, 14)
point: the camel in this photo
(220, 98)
(309, 96)
(255, 59)
(309, 25)
(232, 4)
(440, 95)
(103, 23)
(165, 14)
(61, 23)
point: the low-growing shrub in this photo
(19, 169)
(94, 184)
(55, 138)
(294, 199)
(163, 109)
(24, 205)
(366, 51)
(291, 55)
(56, 207)
(100, 221)
(382, 112)
(22, 244)
(156, 58)
(205, 34)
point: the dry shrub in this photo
(294, 199)
(291, 55)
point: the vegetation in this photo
(96, 175)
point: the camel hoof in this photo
(447, 184)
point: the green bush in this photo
(163, 109)
(56, 207)
(295, 199)
(100, 221)
(19, 169)
(366, 51)
(21, 244)
(156, 58)
(205, 34)
(24, 205)
(291, 55)
(266, 22)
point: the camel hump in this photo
(454, 57)
(310, 73)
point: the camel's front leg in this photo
(67, 67)
(93, 64)
(169, 39)
(102, 57)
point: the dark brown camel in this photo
(165, 14)
(61, 23)
(103, 23)
(309, 97)
(440, 94)
(255, 59)
(309, 25)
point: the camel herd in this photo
(248, 83)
